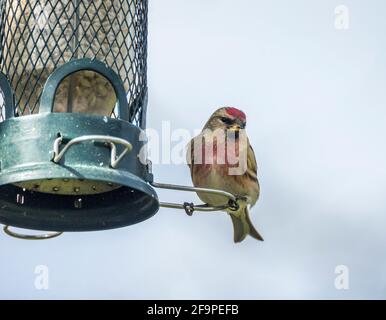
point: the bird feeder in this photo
(74, 104)
(73, 82)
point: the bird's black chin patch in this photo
(233, 134)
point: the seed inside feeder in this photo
(103, 29)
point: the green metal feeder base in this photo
(72, 172)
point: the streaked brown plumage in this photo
(211, 166)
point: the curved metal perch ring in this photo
(14, 234)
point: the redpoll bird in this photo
(220, 157)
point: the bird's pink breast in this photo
(219, 157)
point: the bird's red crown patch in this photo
(236, 113)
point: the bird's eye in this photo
(227, 120)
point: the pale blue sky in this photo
(316, 103)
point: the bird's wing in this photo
(252, 164)
(190, 155)
(252, 175)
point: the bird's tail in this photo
(243, 226)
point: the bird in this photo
(211, 165)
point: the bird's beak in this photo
(235, 127)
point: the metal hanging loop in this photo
(58, 155)
(30, 237)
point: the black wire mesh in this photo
(37, 36)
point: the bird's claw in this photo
(233, 205)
